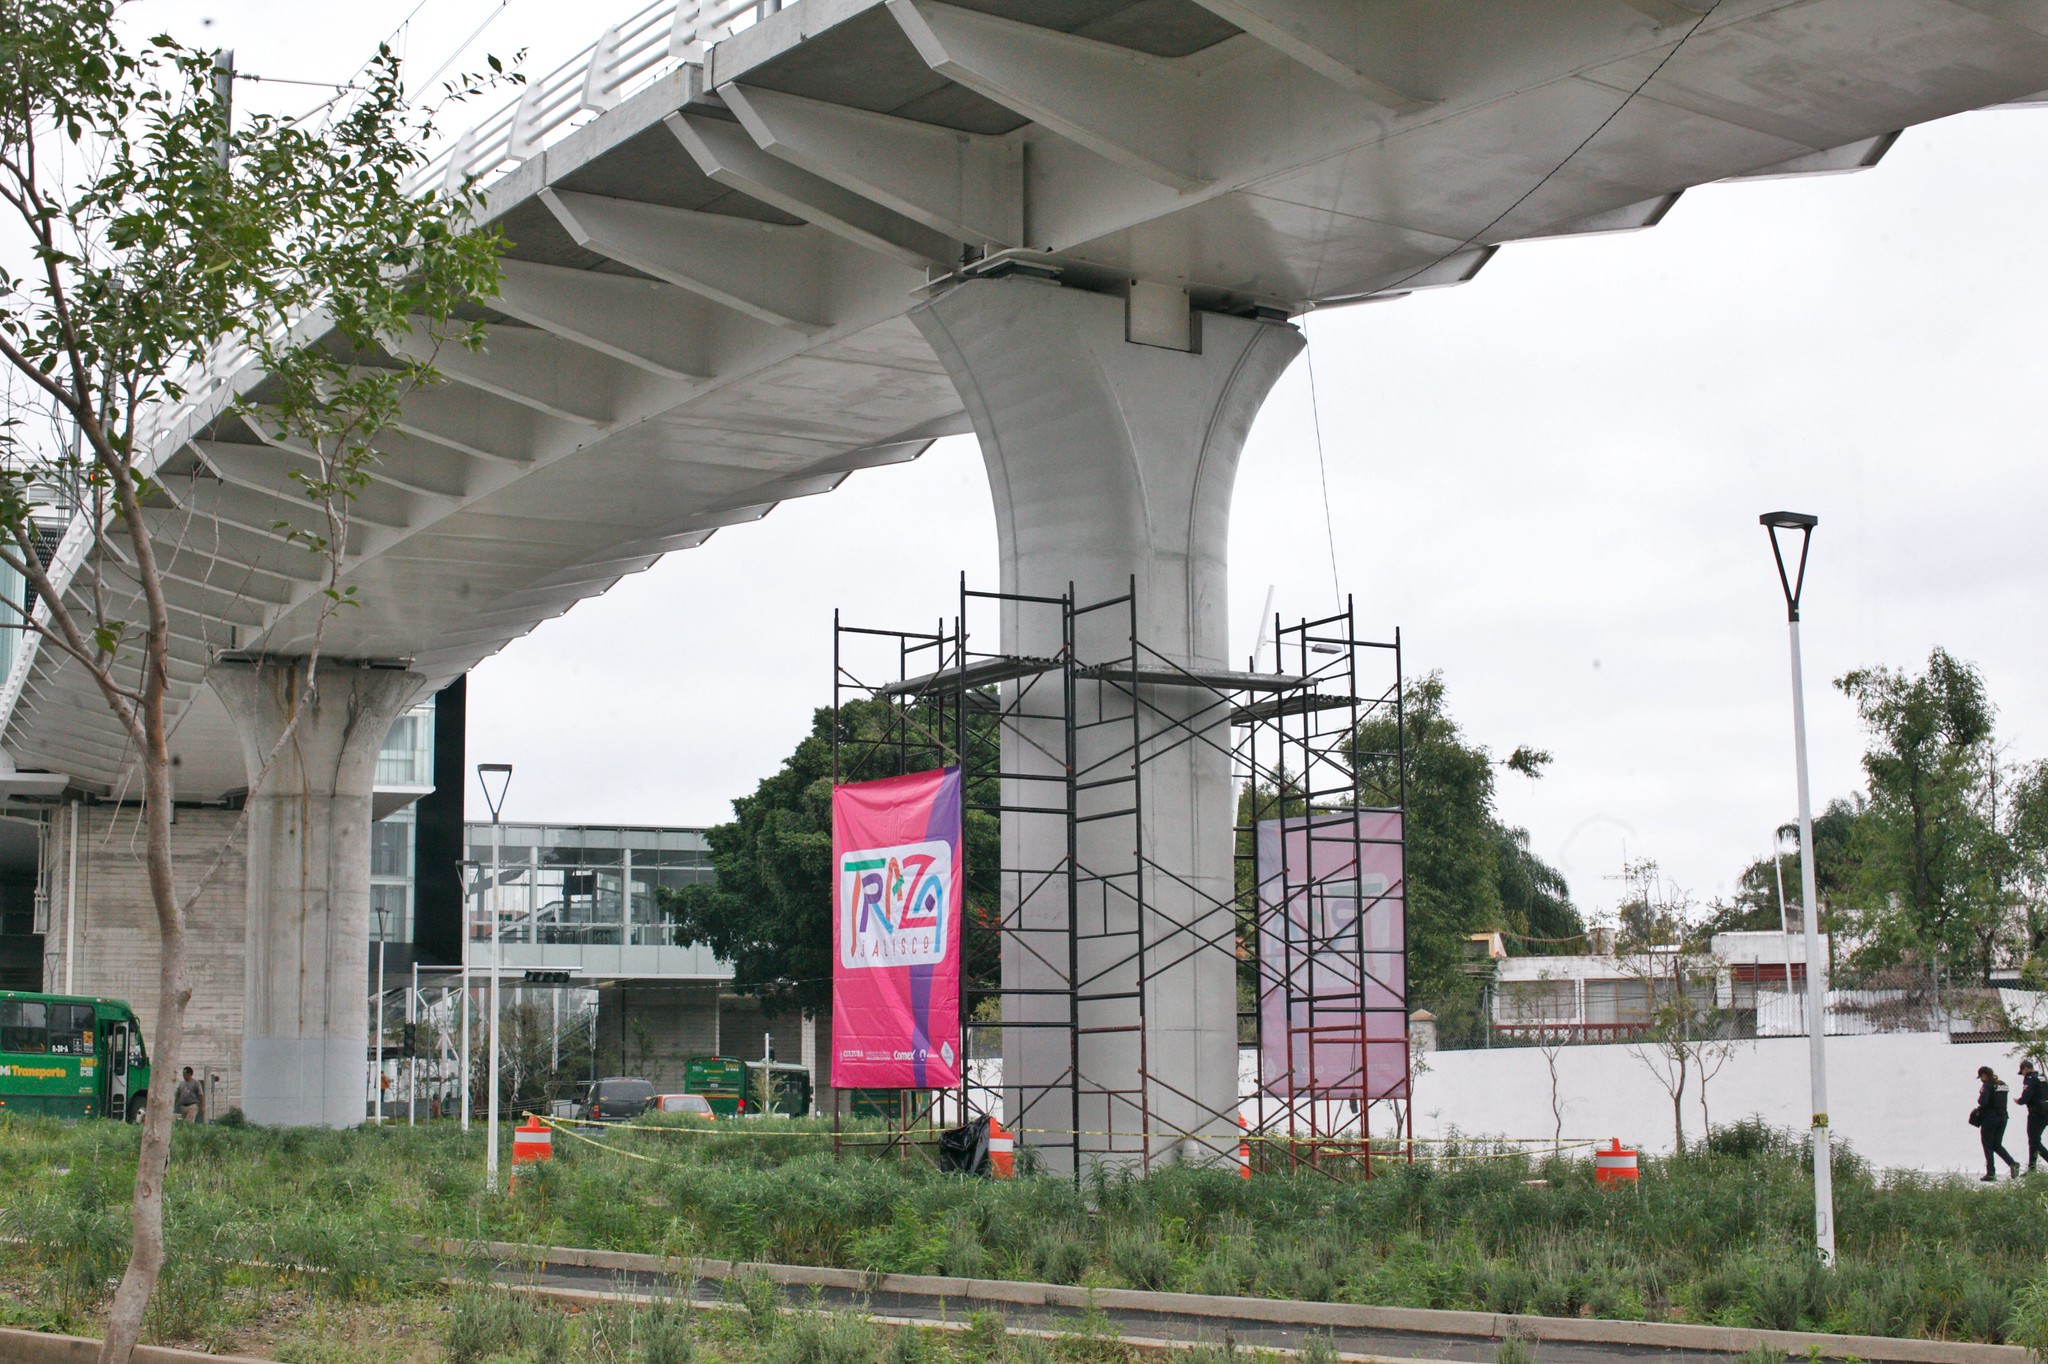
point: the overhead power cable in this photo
(1569, 157)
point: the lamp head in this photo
(1793, 582)
(495, 778)
(1788, 520)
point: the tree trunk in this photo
(138, 1283)
(1678, 1107)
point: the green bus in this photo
(71, 1056)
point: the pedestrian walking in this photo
(191, 1098)
(1989, 1118)
(2034, 1099)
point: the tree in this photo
(1467, 872)
(1662, 945)
(769, 911)
(1929, 868)
(155, 239)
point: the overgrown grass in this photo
(1716, 1236)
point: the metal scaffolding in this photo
(1095, 921)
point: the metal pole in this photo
(378, 1083)
(497, 959)
(1816, 979)
(71, 903)
(468, 933)
(412, 1069)
(1816, 968)
(1784, 924)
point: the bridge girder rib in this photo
(1662, 12)
(1143, 113)
(1330, 38)
(533, 368)
(727, 155)
(282, 471)
(646, 323)
(769, 272)
(966, 187)
(476, 423)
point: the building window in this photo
(391, 857)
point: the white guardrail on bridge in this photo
(627, 57)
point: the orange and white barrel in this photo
(1002, 1151)
(532, 1141)
(1615, 1165)
(1244, 1148)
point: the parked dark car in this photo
(618, 1099)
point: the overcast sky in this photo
(1548, 478)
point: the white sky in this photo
(1548, 478)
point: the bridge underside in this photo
(708, 299)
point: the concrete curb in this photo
(40, 1347)
(1143, 1345)
(1277, 1311)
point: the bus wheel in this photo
(137, 1105)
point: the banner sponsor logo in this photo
(895, 905)
(896, 923)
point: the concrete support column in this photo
(305, 1030)
(1111, 460)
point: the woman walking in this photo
(1989, 1118)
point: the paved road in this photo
(1403, 1345)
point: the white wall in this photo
(1901, 1099)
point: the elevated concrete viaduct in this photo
(746, 264)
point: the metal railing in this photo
(628, 57)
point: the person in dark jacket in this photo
(1990, 1117)
(2034, 1099)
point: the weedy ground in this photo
(295, 1239)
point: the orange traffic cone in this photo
(1244, 1148)
(1002, 1151)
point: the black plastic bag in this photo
(965, 1149)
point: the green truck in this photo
(71, 1056)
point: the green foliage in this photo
(766, 912)
(1467, 872)
(1719, 1235)
(1926, 854)
(1514, 1350)
(490, 1323)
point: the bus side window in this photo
(24, 1027)
(71, 1029)
(137, 1056)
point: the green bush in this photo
(1719, 1235)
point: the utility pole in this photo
(1816, 969)
(224, 92)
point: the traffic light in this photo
(412, 1038)
(547, 977)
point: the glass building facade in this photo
(406, 763)
(591, 885)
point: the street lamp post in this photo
(1794, 583)
(486, 774)
(377, 1085)
(412, 1064)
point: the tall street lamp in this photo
(377, 1085)
(1794, 583)
(495, 779)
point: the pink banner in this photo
(898, 896)
(1333, 960)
